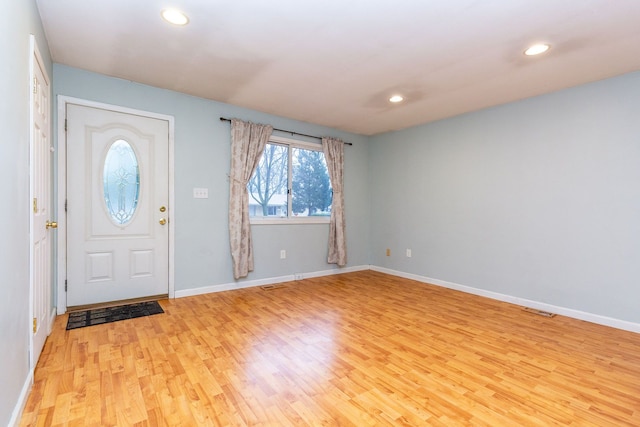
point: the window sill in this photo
(290, 221)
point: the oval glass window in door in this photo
(121, 177)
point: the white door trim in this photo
(61, 174)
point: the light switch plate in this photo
(200, 193)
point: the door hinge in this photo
(35, 205)
(65, 285)
(65, 205)
(65, 125)
(35, 325)
(35, 85)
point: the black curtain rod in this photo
(222, 119)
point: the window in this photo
(290, 184)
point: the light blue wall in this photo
(18, 20)
(538, 199)
(202, 150)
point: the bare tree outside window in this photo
(270, 177)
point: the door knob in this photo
(162, 209)
(51, 224)
(162, 221)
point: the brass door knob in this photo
(162, 221)
(51, 224)
(162, 208)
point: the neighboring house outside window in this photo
(276, 207)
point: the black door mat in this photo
(80, 319)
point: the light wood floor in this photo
(358, 349)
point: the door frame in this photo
(61, 176)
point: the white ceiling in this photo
(336, 62)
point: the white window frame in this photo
(291, 143)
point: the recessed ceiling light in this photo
(537, 49)
(396, 99)
(174, 16)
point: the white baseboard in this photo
(231, 286)
(333, 271)
(262, 282)
(52, 318)
(22, 400)
(569, 312)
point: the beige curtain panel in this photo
(334, 154)
(247, 144)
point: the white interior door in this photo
(117, 206)
(41, 217)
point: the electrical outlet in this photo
(283, 254)
(200, 193)
(388, 252)
(408, 253)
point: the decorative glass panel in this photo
(121, 177)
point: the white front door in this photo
(42, 223)
(117, 206)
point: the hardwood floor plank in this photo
(358, 349)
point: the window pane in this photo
(311, 186)
(121, 181)
(268, 186)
